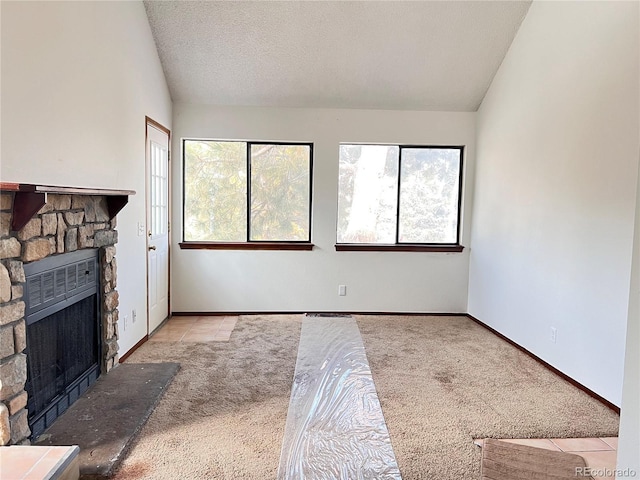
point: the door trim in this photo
(150, 121)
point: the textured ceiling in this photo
(418, 55)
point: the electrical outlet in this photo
(554, 334)
(342, 290)
(125, 321)
(133, 316)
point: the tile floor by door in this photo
(599, 453)
(195, 329)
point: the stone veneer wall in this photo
(65, 224)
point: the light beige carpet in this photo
(442, 381)
(223, 416)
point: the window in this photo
(399, 196)
(246, 193)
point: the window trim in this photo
(262, 245)
(399, 247)
(248, 244)
(411, 246)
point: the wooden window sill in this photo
(246, 245)
(406, 247)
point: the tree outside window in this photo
(236, 191)
(393, 194)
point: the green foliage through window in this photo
(391, 194)
(247, 191)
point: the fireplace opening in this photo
(63, 333)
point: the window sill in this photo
(246, 246)
(406, 247)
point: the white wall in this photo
(227, 280)
(629, 445)
(556, 189)
(78, 79)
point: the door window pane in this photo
(159, 189)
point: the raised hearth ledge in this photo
(30, 198)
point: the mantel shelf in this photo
(30, 198)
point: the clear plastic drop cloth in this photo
(335, 428)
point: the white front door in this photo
(157, 224)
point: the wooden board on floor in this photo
(509, 461)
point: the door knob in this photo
(152, 247)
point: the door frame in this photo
(151, 122)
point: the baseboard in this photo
(564, 376)
(280, 312)
(133, 349)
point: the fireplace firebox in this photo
(63, 333)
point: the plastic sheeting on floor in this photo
(335, 428)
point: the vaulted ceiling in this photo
(414, 55)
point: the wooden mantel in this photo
(30, 198)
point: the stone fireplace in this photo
(65, 223)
